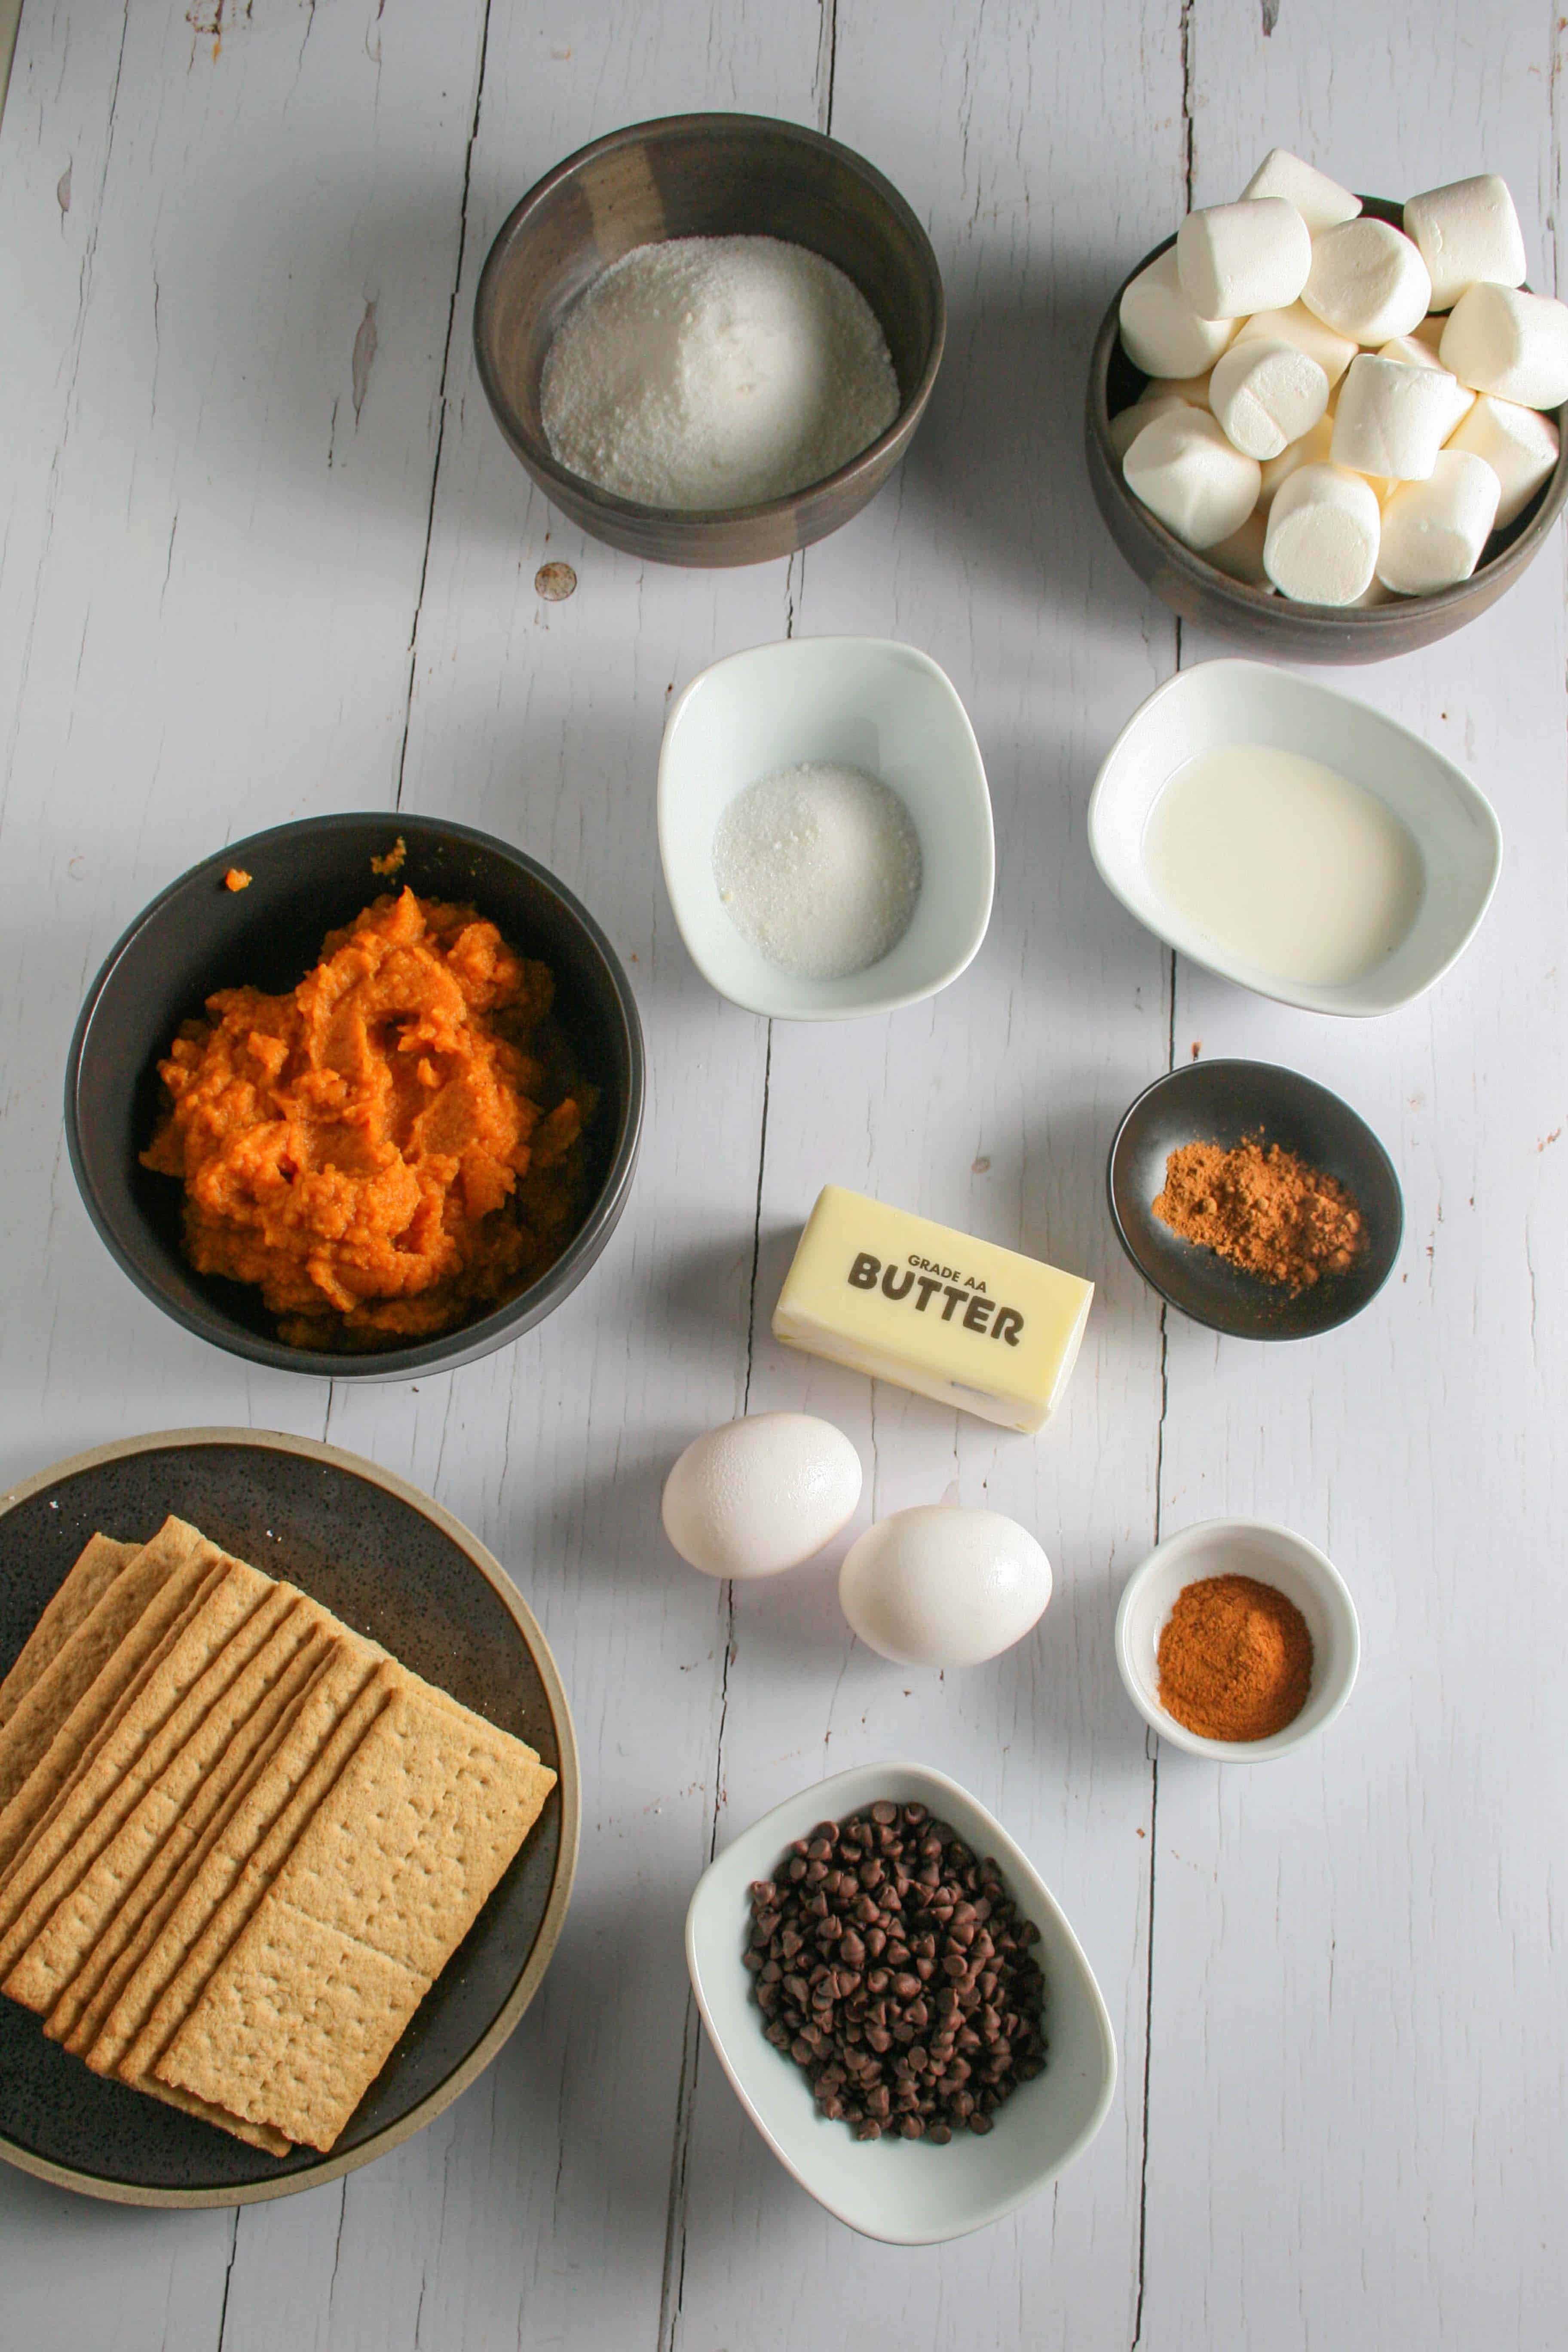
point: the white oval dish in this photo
(906, 2192)
(866, 703)
(1220, 702)
(1239, 1547)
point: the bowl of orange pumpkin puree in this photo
(371, 1109)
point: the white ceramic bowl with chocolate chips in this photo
(907, 2192)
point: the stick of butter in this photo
(960, 1320)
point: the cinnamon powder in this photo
(1235, 1659)
(1264, 1210)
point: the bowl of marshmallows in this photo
(1329, 425)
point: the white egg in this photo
(942, 1586)
(761, 1494)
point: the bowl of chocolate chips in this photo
(900, 2004)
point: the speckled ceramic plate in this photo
(394, 1565)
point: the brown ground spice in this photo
(1236, 1659)
(1263, 1209)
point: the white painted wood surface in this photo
(263, 552)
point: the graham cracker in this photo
(89, 1927)
(94, 1993)
(332, 1718)
(86, 1582)
(39, 1711)
(77, 1693)
(299, 2014)
(230, 1625)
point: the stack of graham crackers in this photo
(238, 1843)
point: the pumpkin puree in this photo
(373, 1149)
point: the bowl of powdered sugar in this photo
(711, 338)
(825, 829)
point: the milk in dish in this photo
(1283, 864)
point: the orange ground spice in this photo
(1264, 1210)
(1235, 1658)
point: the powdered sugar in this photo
(714, 371)
(819, 867)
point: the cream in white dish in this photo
(1283, 864)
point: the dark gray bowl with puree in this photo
(306, 879)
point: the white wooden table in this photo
(264, 553)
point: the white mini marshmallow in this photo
(1312, 449)
(1321, 202)
(1187, 472)
(1367, 281)
(1323, 530)
(1518, 444)
(1236, 259)
(1409, 351)
(1193, 389)
(1242, 553)
(1127, 423)
(1430, 330)
(1161, 331)
(1390, 419)
(1296, 325)
(1434, 531)
(1267, 394)
(1468, 233)
(1509, 343)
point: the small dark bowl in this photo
(1201, 591)
(308, 878)
(705, 175)
(1224, 1103)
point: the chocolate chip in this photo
(892, 1968)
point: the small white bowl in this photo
(1273, 1556)
(907, 2192)
(1220, 703)
(865, 703)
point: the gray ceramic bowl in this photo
(1225, 1102)
(705, 175)
(306, 879)
(1200, 591)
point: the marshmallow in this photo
(1409, 351)
(1267, 394)
(1367, 281)
(1193, 389)
(1161, 331)
(1390, 419)
(1518, 444)
(1296, 325)
(1468, 233)
(1323, 531)
(1312, 449)
(1434, 531)
(1127, 423)
(1187, 472)
(1321, 202)
(1236, 258)
(1430, 332)
(1512, 344)
(1242, 553)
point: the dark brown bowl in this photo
(705, 175)
(1268, 624)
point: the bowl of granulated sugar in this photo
(825, 829)
(709, 338)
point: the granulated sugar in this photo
(716, 371)
(819, 867)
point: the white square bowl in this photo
(907, 2192)
(1453, 823)
(863, 702)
